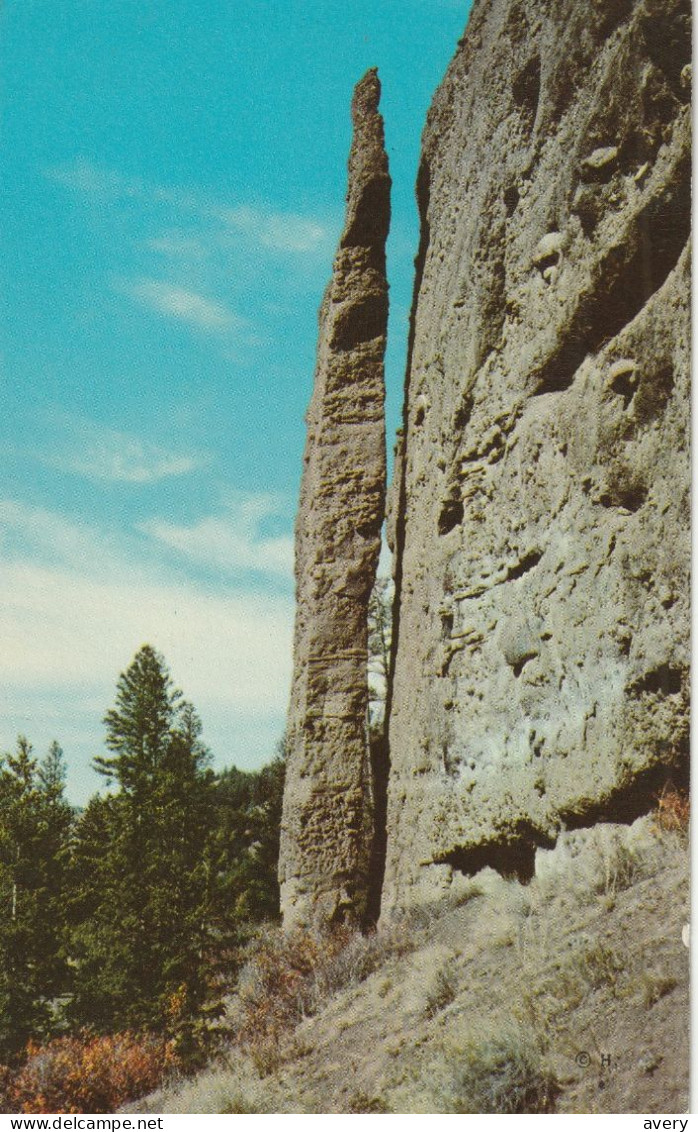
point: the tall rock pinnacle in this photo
(326, 831)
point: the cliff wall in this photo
(541, 513)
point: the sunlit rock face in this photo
(541, 518)
(327, 826)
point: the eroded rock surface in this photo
(541, 667)
(327, 817)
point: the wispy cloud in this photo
(179, 246)
(61, 627)
(201, 261)
(182, 304)
(86, 177)
(99, 453)
(37, 534)
(231, 542)
(278, 231)
(284, 232)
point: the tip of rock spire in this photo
(367, 93)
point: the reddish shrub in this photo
(673, 810)
(274, 992)
(290, 977)
(73, 1075)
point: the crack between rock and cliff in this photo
(381, 758)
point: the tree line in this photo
(131, 914)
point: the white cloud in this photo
(65, 581)
(34, 531)
(62, 628)
(84, 176)
(78, 604)
(231, 542)
(99, 453)
(182, 304)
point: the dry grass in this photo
(655, 985)
(362, 1102)
(290, 977)
(504, 1073)
(442, 989)
(454, 1021)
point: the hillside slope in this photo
(513, 1001)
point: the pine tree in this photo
(248, 820)
(94, 888)
(144, 954)
(35, 823)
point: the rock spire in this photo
(327, 830)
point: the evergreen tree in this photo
(144, 954)
(246, 847)
(35, 822)
(94, 887)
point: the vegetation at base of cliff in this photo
(91, 1074)
(546, 997)
(502, 1073)
(137, 942)
(124, 925)
(292, 976)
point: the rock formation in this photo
(326, 832)
(542, 513)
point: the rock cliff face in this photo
(327, 828)
(541, 516)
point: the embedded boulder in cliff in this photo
(327, 830)
(542, 516)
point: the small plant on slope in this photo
(503, 1073)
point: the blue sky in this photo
(174, 179)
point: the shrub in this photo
(591, 966)
(655, 986)
(290, 977)
(237, 1105)
(673, 811)
(73, 1075)
(470, 891)
(274, 993)
(363, 1102)
(349, 958)
(504, 1073)
(620, 865)
(601, 966)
